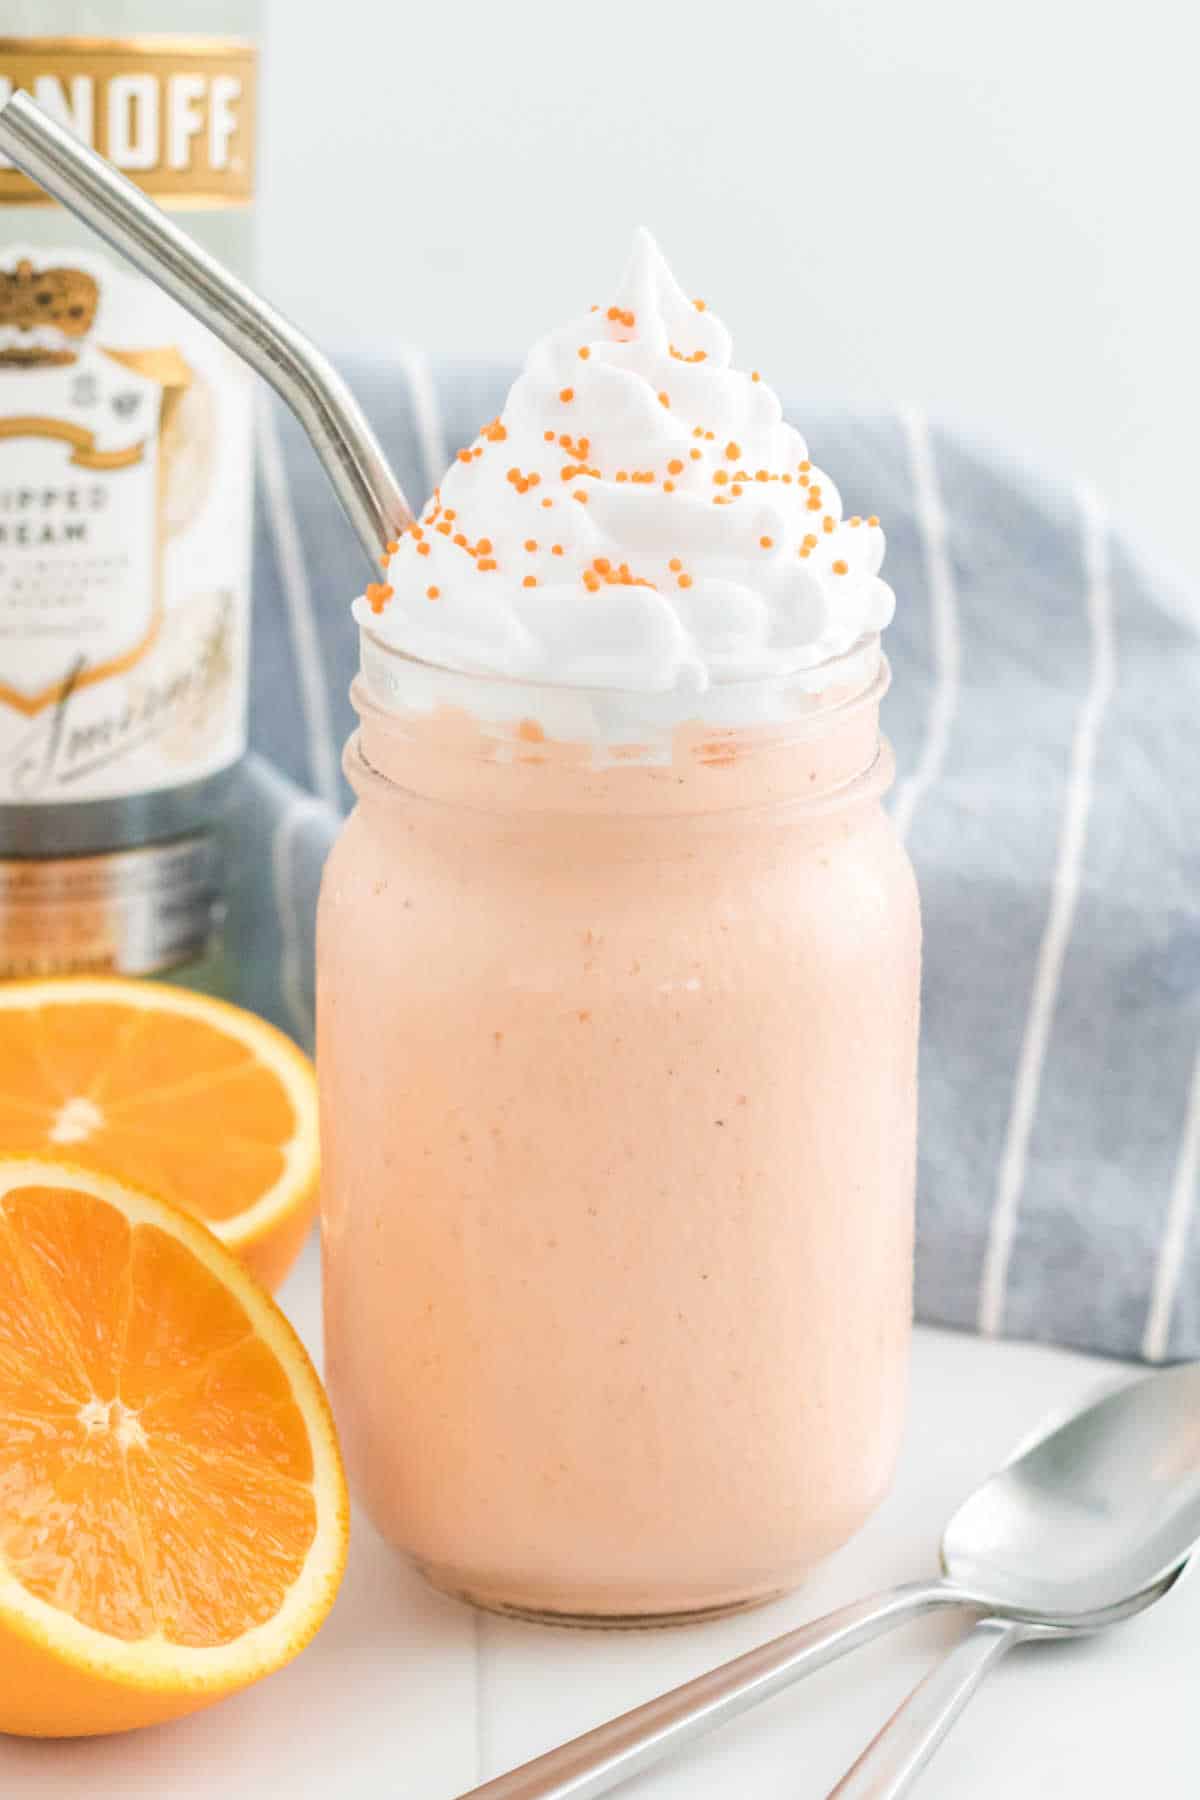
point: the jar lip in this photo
(800, 674)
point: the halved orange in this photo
(173, 1512)
(186, 1096)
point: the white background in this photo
(986, 209)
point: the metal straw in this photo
(92, 189)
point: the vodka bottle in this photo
(125, 501)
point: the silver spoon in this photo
(1087, 1526)
(1117, 1469)
(331, 417)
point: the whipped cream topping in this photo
(639, 518)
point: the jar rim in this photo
(816, 677)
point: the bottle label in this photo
(130, 912)
(125, 519)
(175, 114)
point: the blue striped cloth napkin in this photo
(1045, 716)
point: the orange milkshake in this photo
(618, 971)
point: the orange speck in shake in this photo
(566, 394)
(584, 352)
(685, 581)
(675, 467)
(531, 543)
(733, 451)
(674, 565)
(529, 581)
(767, 543)
(431, 593)
(841, 568)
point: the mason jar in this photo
(617, 1034)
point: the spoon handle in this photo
(892, 1761)
(597, 1761)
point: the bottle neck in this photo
(814, 750)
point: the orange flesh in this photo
(149, 1097)
(155, 1469)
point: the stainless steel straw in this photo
(92, 189)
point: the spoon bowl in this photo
(1096, 1512)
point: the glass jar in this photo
(617, 1032)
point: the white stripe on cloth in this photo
(292, 985)
(427, 415)
(1180, 1209)
(1056, 936)
(293, 576)
(943, 608)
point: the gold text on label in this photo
(174, 114)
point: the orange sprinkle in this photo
(384, 560)
(556, 550)
(464, 456)
(495, 432)
(579, 495)
(378, 594)
(675, 466)
(444, 529)
(685, 581)
(761, 475)
(805, 467)
(767, 543)
(841, 568)
(668, 487)
(450, 514)
(547, 503)
(697, 356)
(431, 593)
(754, 375)
(529, 581)
(422, 549)
(566, 394)
(534, 479)
(549, 436)
(484, 546)
(856, 520)
(699, 305)
(584, 352)
(814, 503)
(664, 399)
(697, 431)
(828, 523)
(487, 562)
(590, 581)
(708, 435)
(736, 488)
(622, 475)
(393, 546)
(674, 565)
(720, 476)
(531, 543)
(621, 318)
(460, 538)
(695, 455)
(811, 540)
(602, 565)
(733, 451)
(873, 520)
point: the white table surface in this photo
(409, 1696)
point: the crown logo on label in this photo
(53, 308)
